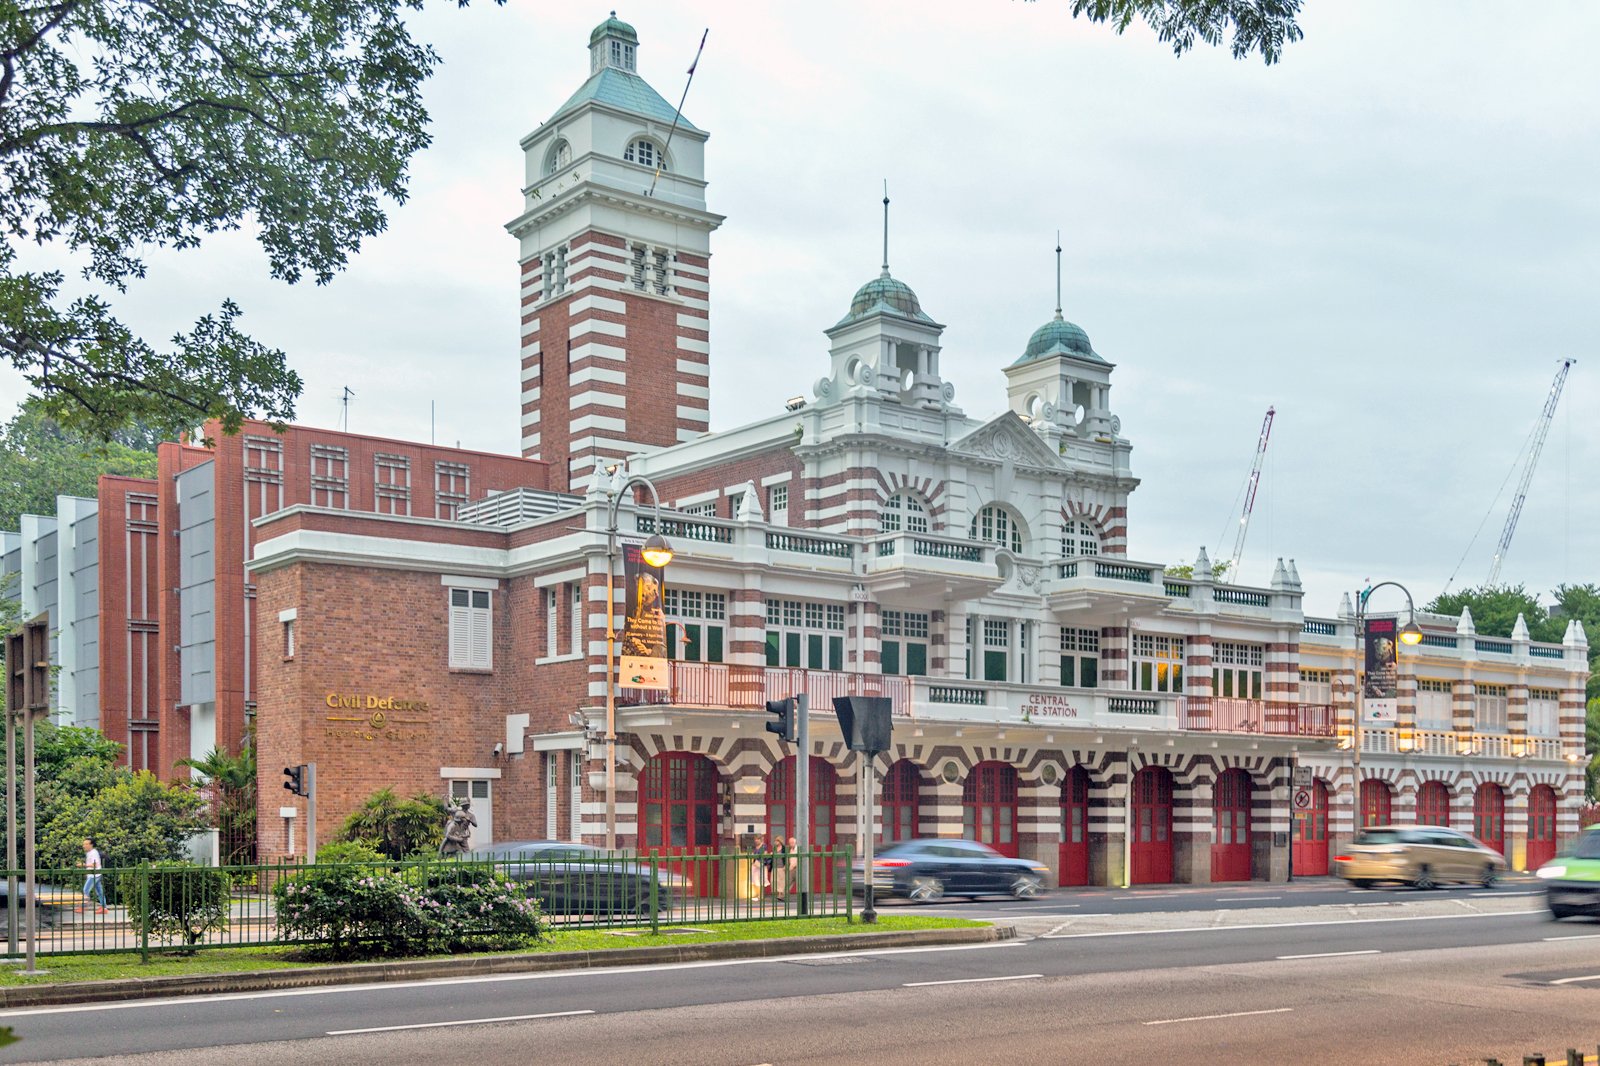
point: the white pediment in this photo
(1008, 437)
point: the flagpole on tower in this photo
(661, 162)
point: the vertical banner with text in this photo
(1379, 698)
(644, 626)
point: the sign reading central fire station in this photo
(368, 716)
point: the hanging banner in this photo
(644, 627)
(1379, 698)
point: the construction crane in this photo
(1250, 493)
(1540, 431)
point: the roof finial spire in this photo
(885, 227)
(1058, 275)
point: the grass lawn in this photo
(243, 960)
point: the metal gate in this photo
(1230, 827)
(1489, 816)
(1310, 857)
(1541, 826)
(1151, 846)
(1075, 827)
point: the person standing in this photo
(93, 886)
(794, 865)
(778, 860)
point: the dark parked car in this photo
(574, 879)
(926, 870)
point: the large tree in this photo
(1263, 26)
(39, 460)
(126, 124)
(1495, 610)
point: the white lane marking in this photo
(1148, 895)
(972, 980)
(1291, 925)
(1582, 936)
(1332, 954)
(463, 1021)
(1575, 980)
(1213, 1017)
(1241, 899)
(373, 986)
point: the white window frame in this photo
(1079, 537)
(1544, 712)
(1157, 663)
(644, 152)
(471, 628)
(778, 504)
(903, 631)
(703, 611)
(1435, 704)
(1491, 707)
(995, 524)
(575, 597)
(577, 797)
(903, 511)
(552, 760)
(551, 637)
(1080, 647)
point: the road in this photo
(1415, 977)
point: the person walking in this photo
(778, 865)
(93, 887)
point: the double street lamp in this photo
(657, 553)
(1410, 635)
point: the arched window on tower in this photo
(646, 153)
(560, 155)
(904, 511)
(1079, 537)
(999, 526)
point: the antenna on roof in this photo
(662, 161)
(885, 227)
(344, 415)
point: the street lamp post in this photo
(657, 552)
(1410, 635)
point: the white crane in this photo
(1540, 431)
(1250, 493)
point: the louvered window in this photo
(471, 634)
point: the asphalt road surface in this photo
(1430, 978)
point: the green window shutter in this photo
(691, 644)
(1091, 673)
(917, 659)
(713, 644)
(791, 649)
(772, 649)
(1068, 672)
(994, 666)
(835, 653)
(813, 651)
(890, 657)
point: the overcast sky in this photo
(1391, 236)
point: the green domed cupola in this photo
(884, 293)
(613, 43)
(1059, 337)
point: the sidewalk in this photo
(357, 973)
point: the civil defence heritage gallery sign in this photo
(368, 716)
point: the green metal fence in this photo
(146, 907)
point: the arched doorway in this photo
(1433, 804)
(1377, 803)
(678, 814)
(902, 788)
(1541, 826)
(1489, 816)
(1151, 847)
(1230, 827)
(1075, 827)
(1310, 855)
(781, 820)
(989, 806)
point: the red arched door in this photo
(1433, 804)
(1075, 827)
(1541, 826)
(1489, 816)
(1230, 827)
(1377, 803)
(678, 814)
(902, 787)
(1310, 856)
(781, 815)
(1151, 847)
(989, 806)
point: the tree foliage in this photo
(228, 787)
(1495, 610)
(125, 126)
(136, 819)
(397, 828)
(39, 460)
(1186, 570)
(1263, 26)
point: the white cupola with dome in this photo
(1060, 384)
(612, 44)
(886, 346)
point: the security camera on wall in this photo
(498, 748)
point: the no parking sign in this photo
(1302, 799)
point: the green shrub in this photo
(176, 899)
(136, 820)
(399, 828)
(352, 906)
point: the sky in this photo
(1391, 237)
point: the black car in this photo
(577, 879)
(926, 870)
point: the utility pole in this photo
(802, 796)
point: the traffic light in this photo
(783, 710)
(295, 777)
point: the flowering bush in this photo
(176, 899)
(367, 907)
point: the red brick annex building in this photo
(441, 624)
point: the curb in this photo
(129, 988)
